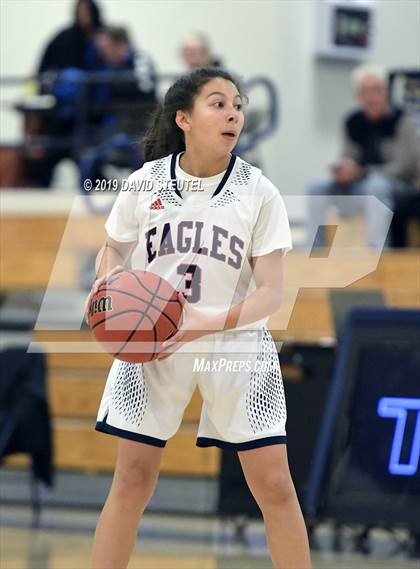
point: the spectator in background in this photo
(379, 159)
(124, 104)
(71, 46)
(122, 96)
(62, 64)
(196, 52)
(115, 53)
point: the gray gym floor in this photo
(179, 542)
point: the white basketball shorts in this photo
(238, 374)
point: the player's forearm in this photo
(108, 258)
(260, 304)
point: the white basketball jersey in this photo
(203, 248)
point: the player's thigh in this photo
(266, 470)
(137, 465)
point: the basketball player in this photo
(217, 230)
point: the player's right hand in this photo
(99, 282)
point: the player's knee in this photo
(135, 481)
(275, 488)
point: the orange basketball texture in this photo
(133, 313)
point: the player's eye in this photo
(219, 104)
(239, 106)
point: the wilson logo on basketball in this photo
(104, 304)
(157, 204)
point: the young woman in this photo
(217, 229)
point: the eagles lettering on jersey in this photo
(187, 237)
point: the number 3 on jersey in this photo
(192, 281)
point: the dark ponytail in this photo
(164, 136)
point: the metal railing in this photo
(82, 107)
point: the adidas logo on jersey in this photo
(157, 204)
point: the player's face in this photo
(217, 118)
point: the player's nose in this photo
(233, 115)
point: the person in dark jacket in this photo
(70, 47)
(63, 62)
(121, 100)
(379, 159)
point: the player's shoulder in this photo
(267, 189)
(241, 164)
(244, 176)
(254, 182)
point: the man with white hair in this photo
(196, 52)
(379, 159)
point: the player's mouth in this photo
(229, 135)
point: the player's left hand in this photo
(195, 324)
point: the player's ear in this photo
(182, 120)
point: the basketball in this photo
(133, 313)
